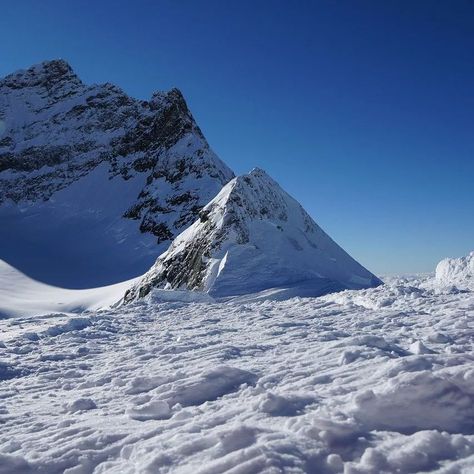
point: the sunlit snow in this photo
(368, 381)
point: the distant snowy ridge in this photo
(457, 271)
(253, 236)
(56, 131)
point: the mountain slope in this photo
(88, 173)
(23, 297)
(254, 236)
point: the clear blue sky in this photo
(362, 110)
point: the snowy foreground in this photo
(372, 381)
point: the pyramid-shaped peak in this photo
(254, 175)
(254, 236)
(255, 195)
(258, 172)
(257, 180)
(47, 73)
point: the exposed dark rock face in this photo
(55, 130)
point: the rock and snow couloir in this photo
(94, 184)
(253, 236)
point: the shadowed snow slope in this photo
(23, 296)
(94, 180)
(457, 271)
(254, 236)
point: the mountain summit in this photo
(94, 184)
(254, 236)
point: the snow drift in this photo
(21, 296)
(254, 236)
(457, 271)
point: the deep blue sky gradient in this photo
(362, 110)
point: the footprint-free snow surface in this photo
(370, 381)
(20, 295)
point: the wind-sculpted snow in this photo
(22, 296)
(254, 236)
(151, 167)
(458, 272)
(372, 381)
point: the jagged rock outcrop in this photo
(253, 236)
(55, 130)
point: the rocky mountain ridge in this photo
(57, 129)
(95, 185)
(89, 173)
(253, 236)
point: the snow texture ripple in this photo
(371, 381)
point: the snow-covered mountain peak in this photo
(256, 197)
(117, 179)
(161, 99)
(46, 74)
(255, 188)
(137, 172)
(254, 236)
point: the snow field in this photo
(20, 295)
(354, 382)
